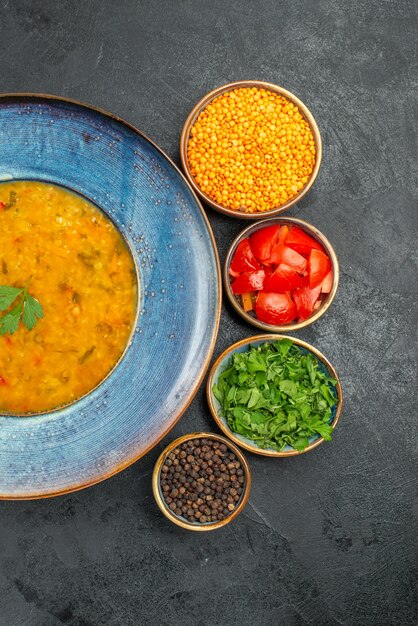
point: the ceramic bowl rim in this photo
(127, 463)
(269, 338)
(204, 101)
(317, 235)
(183, 523)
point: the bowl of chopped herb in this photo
(251, 149)
(275, 395)
(201, 481)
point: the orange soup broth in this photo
(83, 275)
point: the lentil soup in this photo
(83, 274)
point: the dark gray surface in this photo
(327, 538)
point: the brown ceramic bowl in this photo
(312, 232)
(242, 346)
(181, 521)
(198, 108)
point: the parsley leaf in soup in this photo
(31, 311)
(28, 309)
(277, 395)
(8, 295)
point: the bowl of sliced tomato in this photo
(281, 274)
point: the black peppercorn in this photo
(202, 480)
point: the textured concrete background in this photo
(328, 538)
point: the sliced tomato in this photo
(243, 259)
(288, 256)
(275, 308)
(263, 241)
(301, 242)
(327, 282)
(2, 205)
(249, 281)
(268, 271)
(305, 299)
(284, 278)
(319, 266)
(233, 274)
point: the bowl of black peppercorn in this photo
(201, 481)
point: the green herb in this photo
(133, 276)
(276, 395)
(86, 259)
(27, 308)
(11, 202)
(89, 259)
(86, 355)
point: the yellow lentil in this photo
(251, 150)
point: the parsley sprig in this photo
(276, 395)
(26, 308)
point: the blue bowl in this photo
(243, 346)
(126, 175)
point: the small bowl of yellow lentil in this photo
(251, 149)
